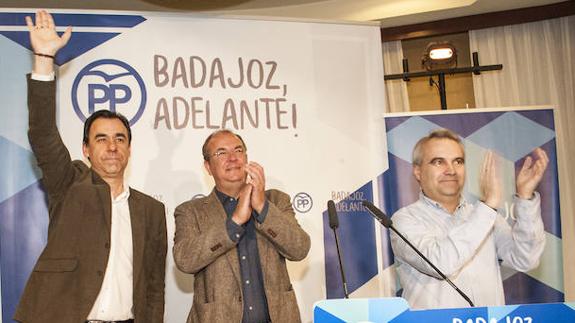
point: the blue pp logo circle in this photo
(109, 84)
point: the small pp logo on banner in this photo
(109, 84)
(302, 202)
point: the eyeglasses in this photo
(225, 154)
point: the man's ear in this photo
(207, 166)
(85, 151)
(417, 172)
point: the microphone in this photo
(334, 224)
(379, 216)
(386, 222)
(332, 213)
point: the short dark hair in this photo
(417, 154)
(205, 152)
(106, 114)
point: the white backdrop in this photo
(316, 129)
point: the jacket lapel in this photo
(105, 198)
(138, 222)
(263, 246)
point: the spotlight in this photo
(439, 55)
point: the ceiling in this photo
(389, 13)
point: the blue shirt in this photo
(253, 292)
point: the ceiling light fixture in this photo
(439, 55)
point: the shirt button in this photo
(247, 282)
(243, 257)
(107, 245)
(99, 272)
(251, 308)
(237, 235)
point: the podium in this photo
(396, 310)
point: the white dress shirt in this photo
(115, 301)
(467, 247)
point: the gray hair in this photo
(435, 134)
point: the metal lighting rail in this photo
(475, 69)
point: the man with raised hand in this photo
(467, 242)
(106, 250)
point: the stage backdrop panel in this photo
(306, 96)
(512, 133)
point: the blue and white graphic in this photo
(94, 30)
(396, 310)
(512, 134)
(111, 85)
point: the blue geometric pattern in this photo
(512, 135)
(80, 42)
(24, 222)
(402, 139)
(359, 251)
(359, 310)
(15, 62)
(522, 288)
(545, 120)
(450, 121)
(22, 166)
(396, 310)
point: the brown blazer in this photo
(202, 247)
(69, 273)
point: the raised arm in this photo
(521, 244)
(53, 157)
(45, 41)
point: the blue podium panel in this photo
(396, 310)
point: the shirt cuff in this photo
(530, 207)
(494, 209)
(235, 231)
(260, 217)
(43, 77)
(488, 210)
(533, 199)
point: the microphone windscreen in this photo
(384, 219)
(332, 214)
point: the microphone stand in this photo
(433, 266)
(340, 263)
(386, 222)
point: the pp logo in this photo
(111, 85)
(302, 202)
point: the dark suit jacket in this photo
(202, 247)
(69, 273)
